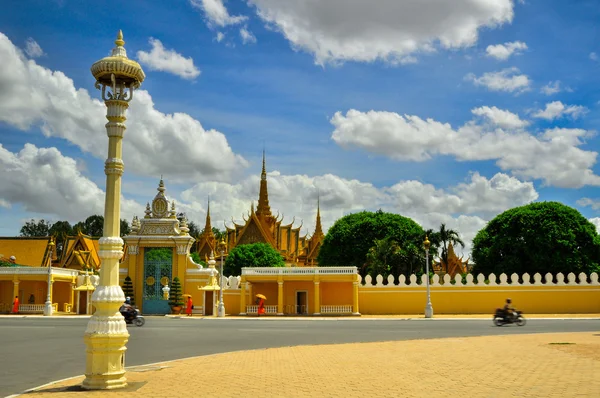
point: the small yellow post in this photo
(280, 298)
(317, 310)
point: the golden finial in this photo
(426, 243)
(119, 42)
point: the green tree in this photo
(444, 237)
(539, 237)
(219, 234)
(60, 230)
(383, 258)
(128, 289)
(348, 241)
(158, 254)
(36, 228)
(175, 295)
(94, 226)
(252, 255)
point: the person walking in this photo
(15, 309)
(189, 307)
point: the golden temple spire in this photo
(263, 196)
(208, 226)
(318, 228)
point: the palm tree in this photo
(382, 258)
(445, 237)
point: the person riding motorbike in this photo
(508, 309)
(127, 311)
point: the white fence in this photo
(35, 308)
(336, 309)
(299, 271)
(269, 309)
(491, 280)
(38, 271)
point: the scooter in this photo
(500, 318)
(137, 319)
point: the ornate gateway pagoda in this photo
(157, 251)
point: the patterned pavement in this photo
(538, 365)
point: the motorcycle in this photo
(501, 318)
(137, 319)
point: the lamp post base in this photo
(105, 358)
(221, 310)
(48, 309)
(428, 311)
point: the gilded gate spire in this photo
(208, 226)
(263, 208)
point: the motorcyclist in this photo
(127, 311)
(508, 309)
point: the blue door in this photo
(158, 264)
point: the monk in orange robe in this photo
(190, 306)
(15, 308)
(261, 307)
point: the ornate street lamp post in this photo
(48, 304)
(428, 306)
(106, 334)
(221, 309)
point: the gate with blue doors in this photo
(158, 265)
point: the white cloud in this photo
(33, 49)
(507, 79)
(170, 61)
(593, 203)
(504, 51)
(596, 222)
(155, 143)
(390, 30)
(551, 88)
(477, 199)
(216, 13)
(593, 56)
(501, 118)
(44, 181)
(220, 36)
(247, 36)
(553, 156)
(557, 109)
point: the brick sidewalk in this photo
(539, 365)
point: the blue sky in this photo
(443, 111)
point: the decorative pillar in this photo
(106, 334)
(73, 286)
(317, 298)
(15, 288)
(279, 297)
(243, 296)
(355, 298)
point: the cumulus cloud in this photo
(44, 181)
(247, 36)
(500, 118)
(596, 222)
(553, 156)
(335, 31)
(33, 49)
(509, 80)
(551, 88)
(155, 143)
(503, 51)
(556, 110)
(593, 56)
(216, 13)
(169, 61)
(476, 200)
(220, 36)
(593, 203)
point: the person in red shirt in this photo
(190, 306)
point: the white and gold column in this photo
(106, 334)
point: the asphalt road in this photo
(35, 351)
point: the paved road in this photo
(35, 351)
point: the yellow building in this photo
(262, 226)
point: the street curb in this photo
(275, 319)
